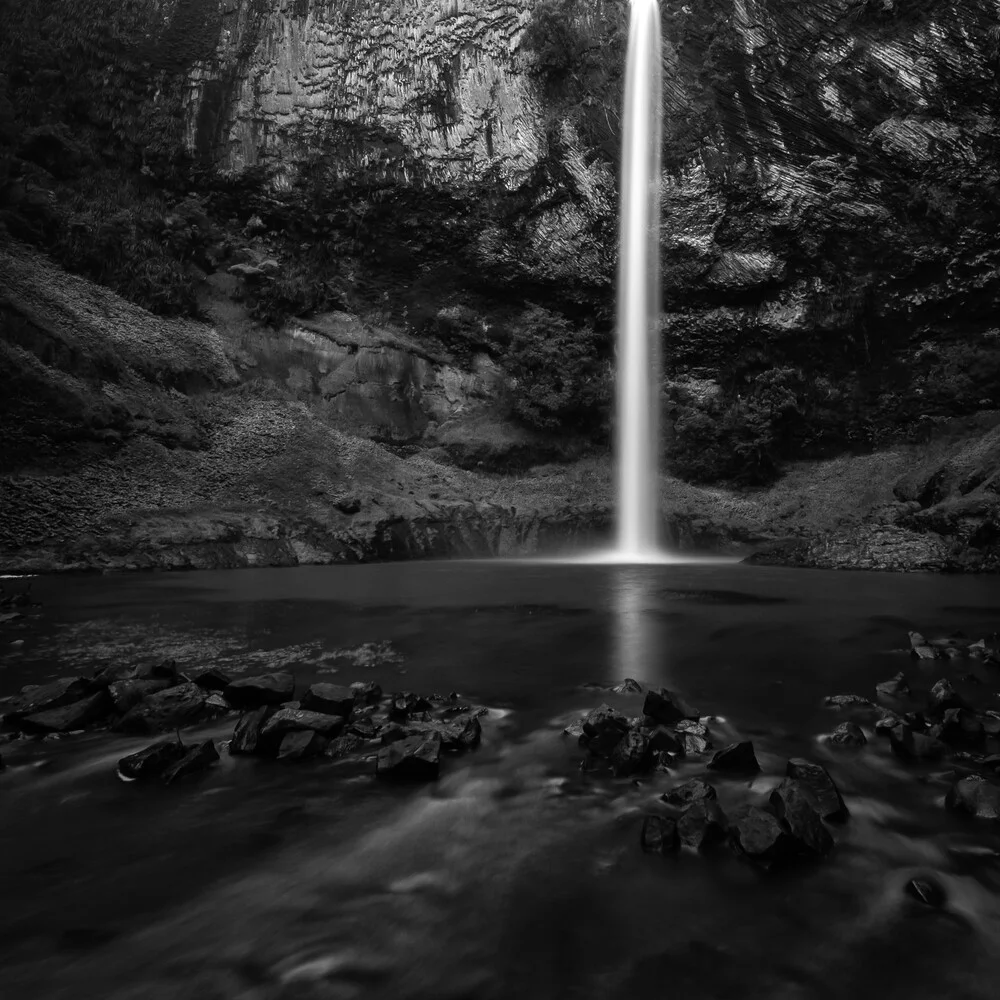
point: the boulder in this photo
(292, 720)
(461, 733)
(942, 697)
(848, 734)
(365, 728)
(151, 761)
(920, 649)
(702, 823)
(575, 729)
(758, 835)
(631, 754)
(691, 791)
(211, 679)
(366, 692)
(693, 745)
(791, 804)
(265, 689)
(976, 797)
(690, 726)
(666, 708)
(887, 723)
(847, 701)
(81, 713)
(166, 670)
(344, 745)
(735, 757)
(961, 727)
(663, 740)
(628, 686)
(330, 699)
(914, 746)
(247, 737)
(658, 835)
(197, 758)
(177, 706)
(392, 732)
(407, 706)
(41, 698)
(301, 745)
(894, 688)
(128, 693)
(417, 758)
(818, 787)
(603, 728)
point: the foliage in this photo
(563, 381)
(305, 285)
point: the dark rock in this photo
(128, 693)
(942, 697)
(345, 745)
(575, 730)
(894, 688)
(211, 679)
(407, 706)
(43, 697)
(961, 727)
(847, 701)
(701, 824)
(197, 758)
(330, 699)
(991, 723)
(694, 745)
(69, 717)
(690, 726)
(818, 787)
(292, 720)
(462, 733)
(265, 689)
(165, 671)
(659, 835)
(366, 692)
(913, 746)
(919, 648)
(927, 891)
(300, 744)
(392, 733)
(975, 796)
(176, 706)
(757, 834)
(631, 754)
(887, 723)
(663, 740)
(603, 728)
(627, 686)
(791, 804)
(691, 791)
(848, 734)
(247, 738)
(417, 758)
(365, 728)
(665, 707)
(152, 761)
(735, 757)
(107, 676)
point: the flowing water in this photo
(517, 873)
(637, 416)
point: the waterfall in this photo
(637, 391)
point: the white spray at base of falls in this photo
(637, 410)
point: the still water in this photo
(516, 874)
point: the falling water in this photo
(637, 416)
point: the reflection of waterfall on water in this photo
(634, 634)
(637, 416)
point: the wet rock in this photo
(216, 704)
(757, 834)
(701, 824)
(735, 757)
(128, 693)
(628, 686)
(575, 730)
(366, 693)
(662, 740)
(292, 720)
(417, 758)
(848, 734)
(330, 699)
(896, 687)
(407, 706)
(43, 697)
(920, 649)
(163, 671)
(942, 697)
(211, 679)
(690, 726)
(846, 701)
(151, 761)
(247, 738)
(976, 797)
(81, 713)
(819, 788)
(631, 754)
(659, 835)
(927, 891)
(462, 733)
(392, 733)
(666, 707)
(791, 804)
(177, 706)
(603, 728)
(691, 791)
(991, 723)
(887, 723)
(107, 676)
(300, 745)
(914, 746)
(365, 728)
(197, 758)
(344, 746)
(961, 727)
(265, 689)
(694, 745)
